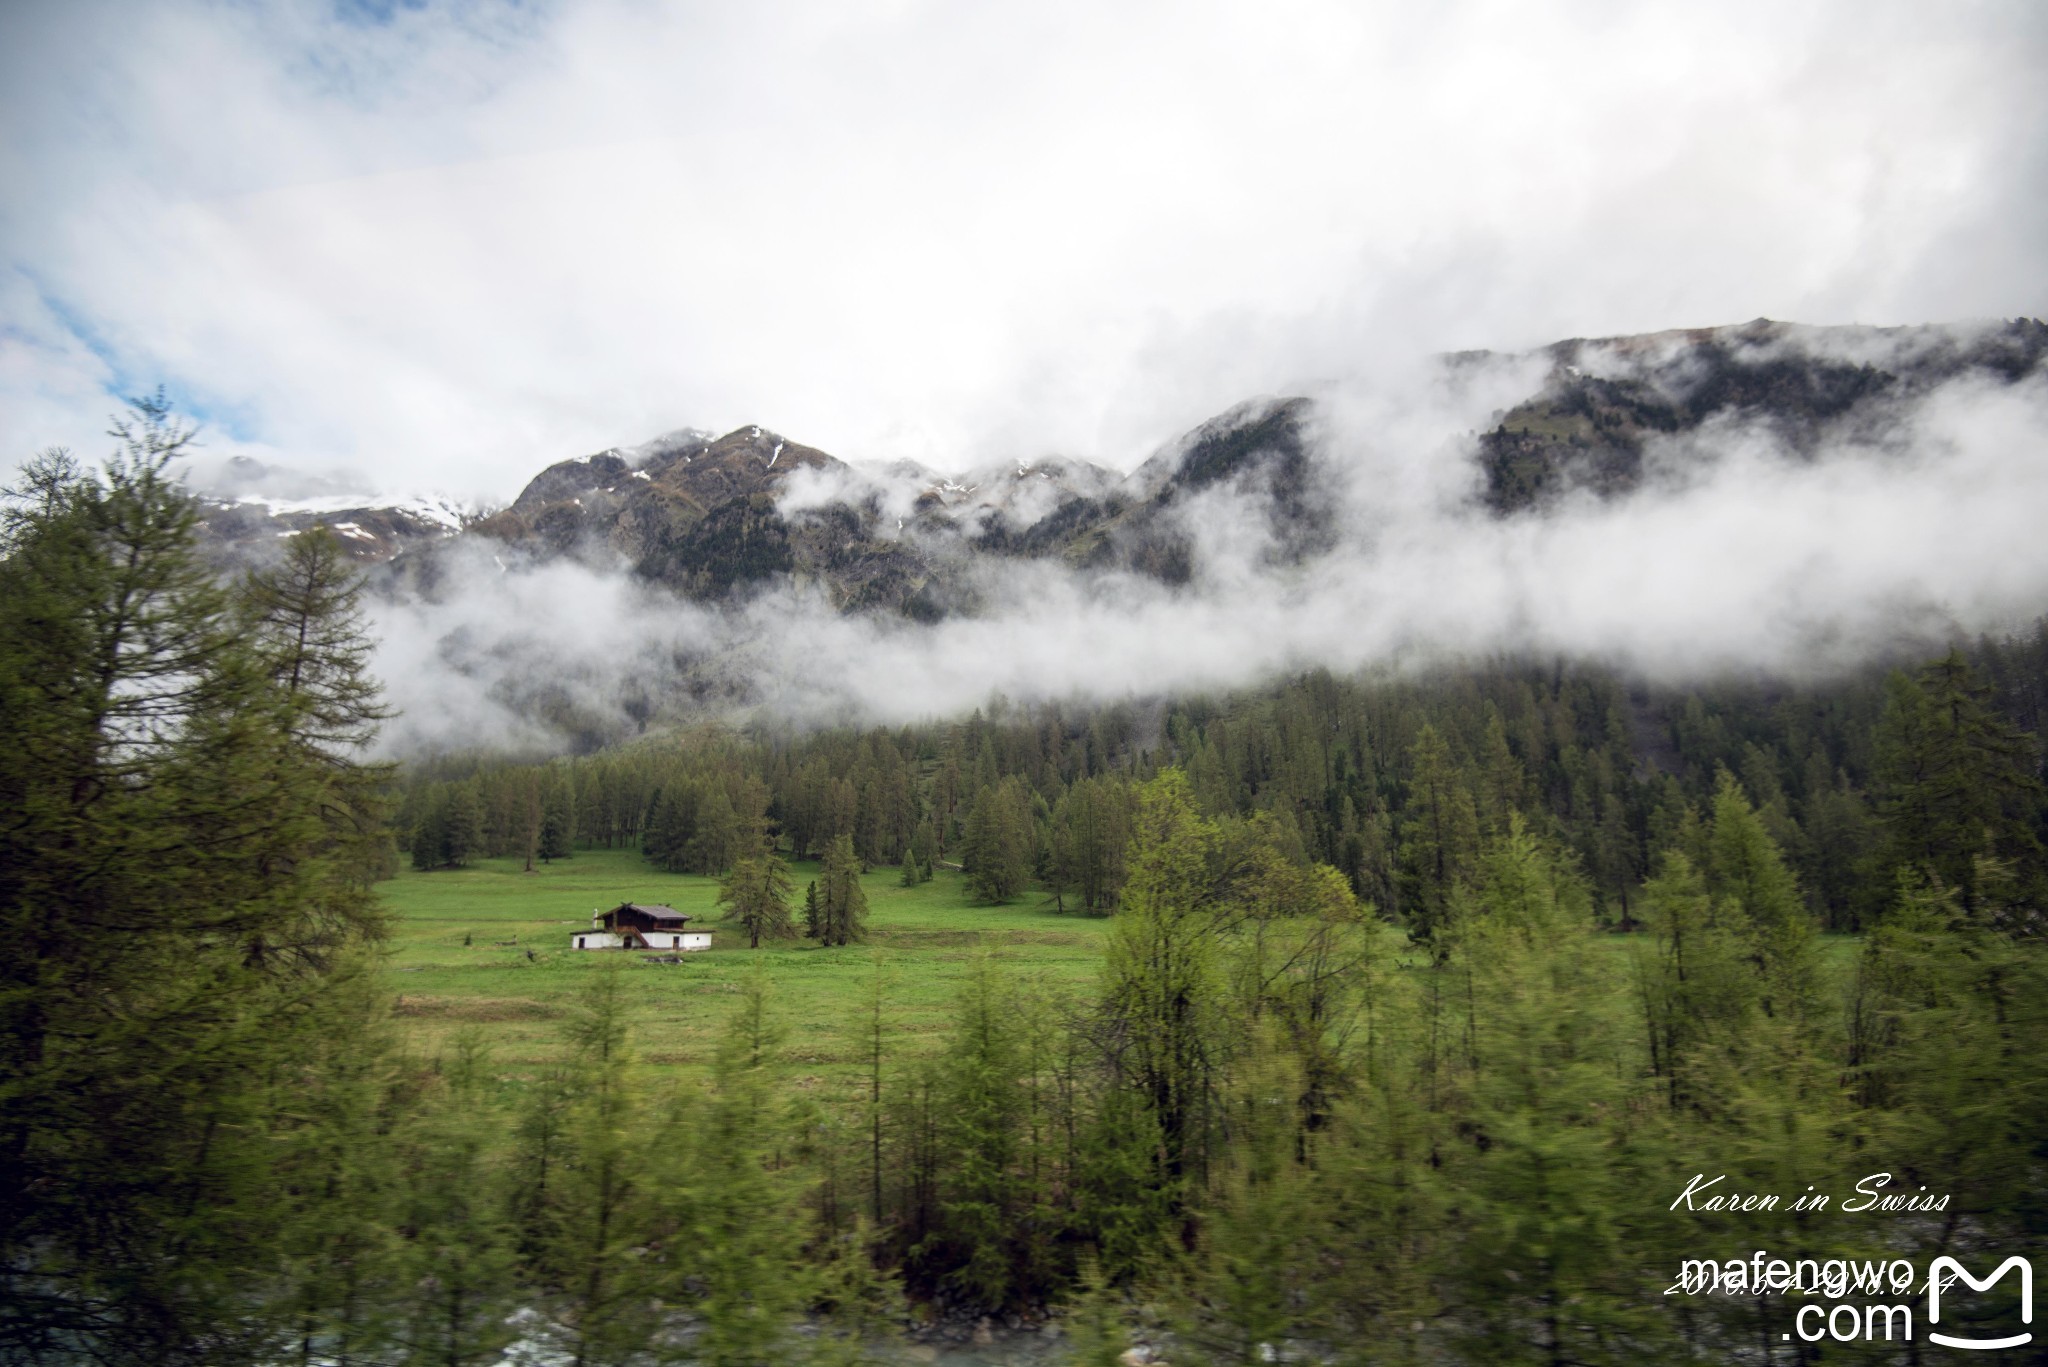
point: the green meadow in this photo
(486, 949)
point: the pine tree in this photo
(599, 1202)
(1955, 780)
(462, 832)
(1748, 869)
(996, 847)
(557, 818)
(1439, 834)
(303, 619)
(166, 828)
(842, 906)
(756, 895)
(1162, 988)
(742, 1232)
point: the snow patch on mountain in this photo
(439, 510)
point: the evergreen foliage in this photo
(997, 841)
(182, 875)
(839, 914)
(756, 896)
(1419, 1001)
(1369, 1062)
(1956, 780)
(557, 835)
(743, 1223)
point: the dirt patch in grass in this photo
(474, 1008)
(932, 939)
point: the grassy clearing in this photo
(921, 939)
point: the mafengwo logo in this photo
(1938, 1281)
(1846, 1289)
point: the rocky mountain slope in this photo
(1604, 400)
(716, 518)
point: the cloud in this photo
(1737, 555)
(469, 239)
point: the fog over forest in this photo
(1749, 548)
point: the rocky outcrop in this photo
(1605, 399)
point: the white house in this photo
(634, 925)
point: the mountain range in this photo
(715, 517)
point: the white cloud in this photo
(1741, 558)
(478, 238)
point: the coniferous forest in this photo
(932, 684)
(1423, 997)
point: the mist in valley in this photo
(1749, 547)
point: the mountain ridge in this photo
(714, 518)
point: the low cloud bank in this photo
(1737, 554)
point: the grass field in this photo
(487, 949)
(515, 980)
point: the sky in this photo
(437, 246)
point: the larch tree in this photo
(305, 622)
(842, 905)
(741, 1215)
(718, 838)
(459, 1284)
(600, 1207)
(1090, 828)
(167, 797)
(557, 839)
(1955, 779)
(1748, 869)
(1439, 834)
(924, 845)
(430, 833)
(463, 827)
(1162, 992)
(756, 895)
(997, 845)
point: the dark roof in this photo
(658, 913)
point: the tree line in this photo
(1277, 1127)
(1397, 783)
